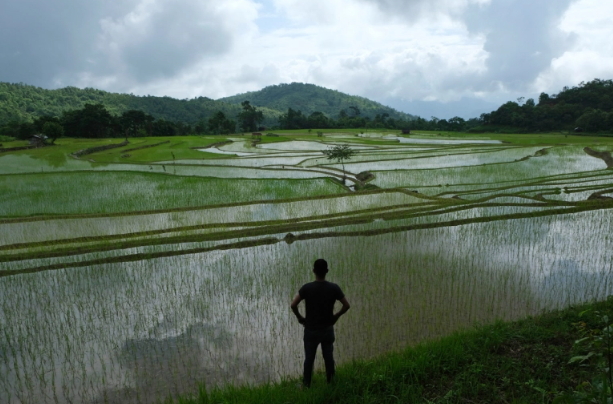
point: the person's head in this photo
(320, 268)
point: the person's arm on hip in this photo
(343, 309)
(294, 307)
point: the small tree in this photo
(340, 153)
(53, 130)
(133, 122)
(249, 117)
(219, 124)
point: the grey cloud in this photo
(522, 38)
(411, 10)
(39, 39)
(165, 41)
(54, 43)
(263, 75)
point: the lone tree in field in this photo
(53, 130)
(340, 153)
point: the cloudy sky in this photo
(427, 57)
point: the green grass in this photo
(111, 192)
(182, 147)
(519, 362)
(6, 139)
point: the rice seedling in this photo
(146, 285)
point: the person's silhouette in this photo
(319, 297)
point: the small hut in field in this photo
(406, 131)
(38, 140)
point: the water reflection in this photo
(168, 364)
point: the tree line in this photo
(587, 107)
(95, 121)
(352, 118)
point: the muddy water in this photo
(141, 331)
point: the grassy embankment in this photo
(520, 362)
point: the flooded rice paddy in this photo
(126, 302)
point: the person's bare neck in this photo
(318, 279)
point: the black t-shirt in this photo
(320, 298)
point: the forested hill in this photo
(309, 98)
(588, 106)
(24, 103)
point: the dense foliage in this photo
(588, 107)
(250, 117)
(455, 124)
(24, 109)
(220, 124)
(95, 121)
(350, 118)
(310, 99)
(23, 103)
(95, 113)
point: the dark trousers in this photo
(312, 338)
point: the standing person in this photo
(319, 321)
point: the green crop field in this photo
(150, 269)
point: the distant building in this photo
(39, 140)
(406, 131)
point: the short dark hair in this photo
(320, 267)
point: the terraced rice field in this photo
(142, 277)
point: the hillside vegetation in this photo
(588, 106)
(309, 98)
(24, 103)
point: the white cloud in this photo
(161, 39)
(591, 55)
(389, 50)
(373, 57)
(340, 13)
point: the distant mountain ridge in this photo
(24, 103)
(310, 98)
